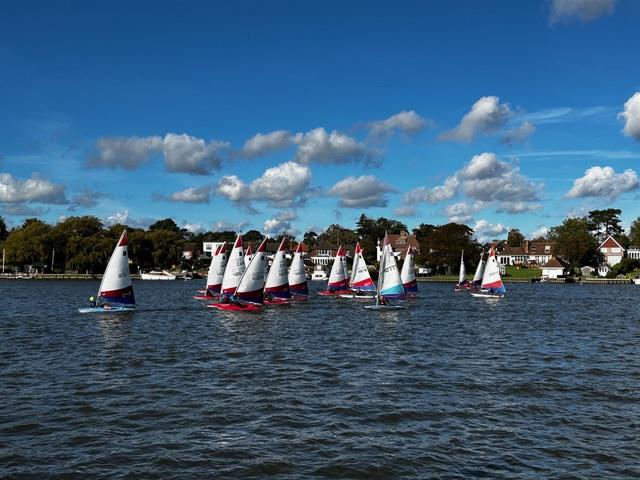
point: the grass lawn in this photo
(515, 272)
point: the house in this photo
(633, 253)
(322, 253)
(603, 269)
(531, 252)
(587, 271)
(554, 268)
(399, 244)
(612, 251)
(512, 256)
(208, 248)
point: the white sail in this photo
(338, 277)
(297, 275)
(360, 276)
(248, 255)
(462, 276)
(389, 281)
(251, 284)
(277, 283)
(477, 277)
(408, 272)
(216, 269)
(116, 285)
(491, 279)
(235, 268)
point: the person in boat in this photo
(92, 301)
(383, 301)
(232, 299)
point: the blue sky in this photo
(495, 114)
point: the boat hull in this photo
(106, 309)
(384, 307)
(486, 295)
(232, 307)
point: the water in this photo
(541, 384)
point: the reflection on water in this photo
(539, 384)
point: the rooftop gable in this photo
(611, 242)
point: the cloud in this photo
(280, 223)
(187, 154)
(265, 143)
(485, 231)
(85, 199)
(541, 232)
(405, 122)
(583, 10)
(361, 192)
(433, 195)
(282, 186)
(188, 195)
(487, 115)
(320, 146)
(126, 153)
(224, 226)
(122, 218)
(518, 207)
(23, 210)
(405, 211)
(519, 134)
(603, 182)
(193, 227)
(461, 212)
(34, 189)
(182, 153)
(631, 115)
(564, 114)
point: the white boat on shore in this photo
(319, 273)
(157, 275)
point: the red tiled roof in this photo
(610, 242)
(554, 262)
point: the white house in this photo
(633, 253)
(611, 251)
(552, 269)
(603, 270)
(208, 248)
(587, 271)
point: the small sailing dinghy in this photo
(249, 294)
(276, 288)
(297, 276)
(215, 274)
(492, 286)
(235, 268)
(115, 294)
(360, 281)
(389, 282)
(408, 274)
(338, 281)
(463, 283)
(477, 277)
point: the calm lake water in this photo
(544, 383)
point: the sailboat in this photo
(389, 282)
(234, 269)
(248, 296)
(215, 274)
(492, 286)
(408, 274)
(248, 255)
(477, 277)
(463, 283)
(360, 281)
(276, 287)
(297, 275)
(116, 290)
(338, 279)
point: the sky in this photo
(291, 116)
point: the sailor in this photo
(92, 301)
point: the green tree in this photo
(3, 230)
(443, 245)
(603, 223)
(634, 232)
(310, 238)
(339, 235)
(31, 243)
(166, 224)
(77, 240)
(252, 236)
(515, 238)
(371, 230)
(575, 241)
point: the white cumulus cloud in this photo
(519, 134)
(361, 192)
(126, 153)
(584, 10)
(189, 195)
(404, 122)
(282, 186)
(631, 116)
(320, 146)
(462, 212)
(487, 115)
(603, 182)
(541, 232)
(264, 143)
(34, 189)
(484, 231)
(281, 223)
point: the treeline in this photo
(85, 244)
